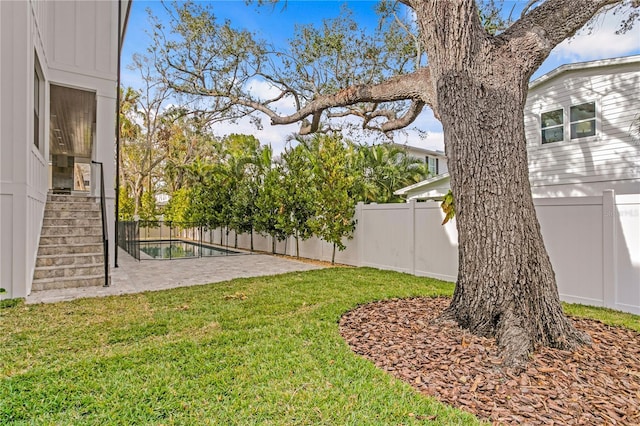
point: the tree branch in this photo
(408, 118)
(547, 25)
(416, 86)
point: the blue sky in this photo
(276, 24)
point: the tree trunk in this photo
(333, 254)
(251, 238)
(506, 285)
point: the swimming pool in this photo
(179, 249)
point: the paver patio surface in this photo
(132, 276)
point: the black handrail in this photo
(105, 232)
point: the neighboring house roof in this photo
(434, 188)
(417, 150)
(582, 65)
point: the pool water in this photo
(178, 249)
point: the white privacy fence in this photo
(593, 243)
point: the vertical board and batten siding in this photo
(76, 44)
(37, 162)
(23, 177)
(584, 165)
(83, 38)
(83, 43)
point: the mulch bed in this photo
(595, 385)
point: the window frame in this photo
(38, 138)
(584, 120)
(562, 126)
(566, 125)
(432, 161)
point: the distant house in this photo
(579, 124)
(436, 160)
(58, 91)
(582, 124)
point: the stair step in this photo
(71, 248)
(69, 259)
(75, 231)
(72, 239)
(72, 221)
(66, 271)
(70, 252)
(78, 206)
(72, 214)
(71, 282)
(71, 198)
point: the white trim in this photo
(566, 117)
(437, 178)
(583, 65)
(421, 150)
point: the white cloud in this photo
(429, 136)
(276, 136)
(600, 43)
(263, 90)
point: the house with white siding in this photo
(436, 160)
(59, 65)
(582, 125)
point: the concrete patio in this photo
(134, 276)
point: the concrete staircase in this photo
(70, 253)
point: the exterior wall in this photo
(593, 243)
(23, 171)
(423, 153)
(76, 44)
(587, 166)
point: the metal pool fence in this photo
(146, 240)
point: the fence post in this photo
(412, 235)
(358, 234)
(609, 275)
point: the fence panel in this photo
(627, 253)
(129, 238)
(593, 244)
(436, 252)
(572, 233)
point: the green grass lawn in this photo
(250, 351)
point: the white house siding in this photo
(587, 166)
(422, 154)
(23, 184)
(76, 44)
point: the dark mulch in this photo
(595, 385)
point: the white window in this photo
(583, 120)
(581, 123)
(432, 165)
(552, 126)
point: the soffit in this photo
(72, 121)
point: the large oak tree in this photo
(475, 81)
